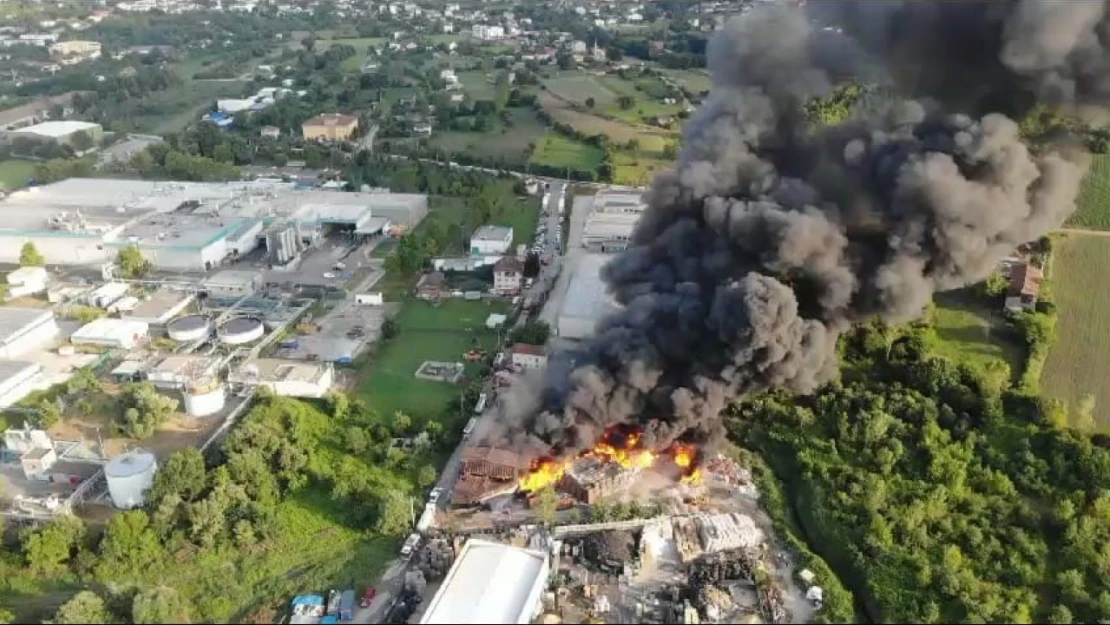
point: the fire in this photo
(543, 473)
(621, 446)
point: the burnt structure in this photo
(487, 472)
(590, 478)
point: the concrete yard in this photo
(344, 332)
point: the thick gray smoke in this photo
(771, 237)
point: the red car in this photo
(368, 597)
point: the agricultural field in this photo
(971, 331)
(576, 88)
(169, 111)
(1094, 199)
(637, 169)
(651, 140)
(693, 80)
(511, 143)
(1079, 360)
(558, 151)
(441, 332)
(14, 173)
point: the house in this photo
(508, 274)
(430, 286)
(485, 32)
(1025, 287)
(423, 129)
(524, 356)
(330, 127)
(491, 240)
(270, 132)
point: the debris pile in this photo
(726, 470)
(738, 564)
(610, 551)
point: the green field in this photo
(971, 331)
(577, 88)
(14, 173)
(1094, 199)
(637, 169)
(478, 85)
(1079, 360)
(694, 80)
(428, 332)
(558, 151)
(512, 143)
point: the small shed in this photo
(373, 298)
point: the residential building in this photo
(330, 127)
(430, 286)
(491, 240)
(270, 132)
(423, 129)
(1025, 287)
(525, 356)
(69, 52)
(508, 275)
(485, 32)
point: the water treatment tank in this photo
(241, 330)
(188, 328)
(204, 397)
(129, 476)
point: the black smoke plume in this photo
(770, 237)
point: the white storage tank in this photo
(130, 476)
(204, 397)
(241, 330)
(188, 328)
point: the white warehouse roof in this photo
(111, 331)
(15, 321)
(490, 583)
(57, 129)
(587, 294)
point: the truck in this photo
(333, 603)
(347, 606)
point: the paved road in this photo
(1095, 233)
(389, 587)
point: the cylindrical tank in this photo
(204, 397)
(188, 328)
(129, 476)
(241, 330)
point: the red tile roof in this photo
(1025, 280)
(525, 348)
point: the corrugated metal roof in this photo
(489, 583)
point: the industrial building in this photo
(62, 131)
(487, 472)
(25, 329)
(587, 299)
(491, 240)
(111, 332)
(490, 583)
(160, 307)
(612, 219)
(178, 370)
(287, 378)
(233, 283)
(187, 226)
(17, 380)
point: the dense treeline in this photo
(937, 496)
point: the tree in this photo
(996, 284)
(129, 548)
(85, 607)
(547, 505)
(394, 514)
(626, 102)
(426, 476)
(81, 141)
(142, 409)
(132, 263)
(29, 256)
(670, 151)
(1084, 419)
(49, 549)
(401, 423)
(531, 265)
(184, 475)
(531, 333)
(357, 440)
(590, 102)
(390, 329)
(159, 605)
(1060, 615)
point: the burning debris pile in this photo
(771, 236)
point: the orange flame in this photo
(692, 479)
(543, 473)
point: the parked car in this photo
(434, 497)
(368, 597)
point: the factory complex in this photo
(186, 226)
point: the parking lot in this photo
(343, 333)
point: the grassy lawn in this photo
(512, 143)
(479, 85)
(14, 173)
(1094, 199)
(169, 111)
(1080, 356)
(452, 213)
(577, 87)
(651, 139)
(559, 151)
(694, 80)
(970, 330)
(428, 332)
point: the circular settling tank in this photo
(204, 398)
(241, 330)
(129, 476)
(188, 328)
